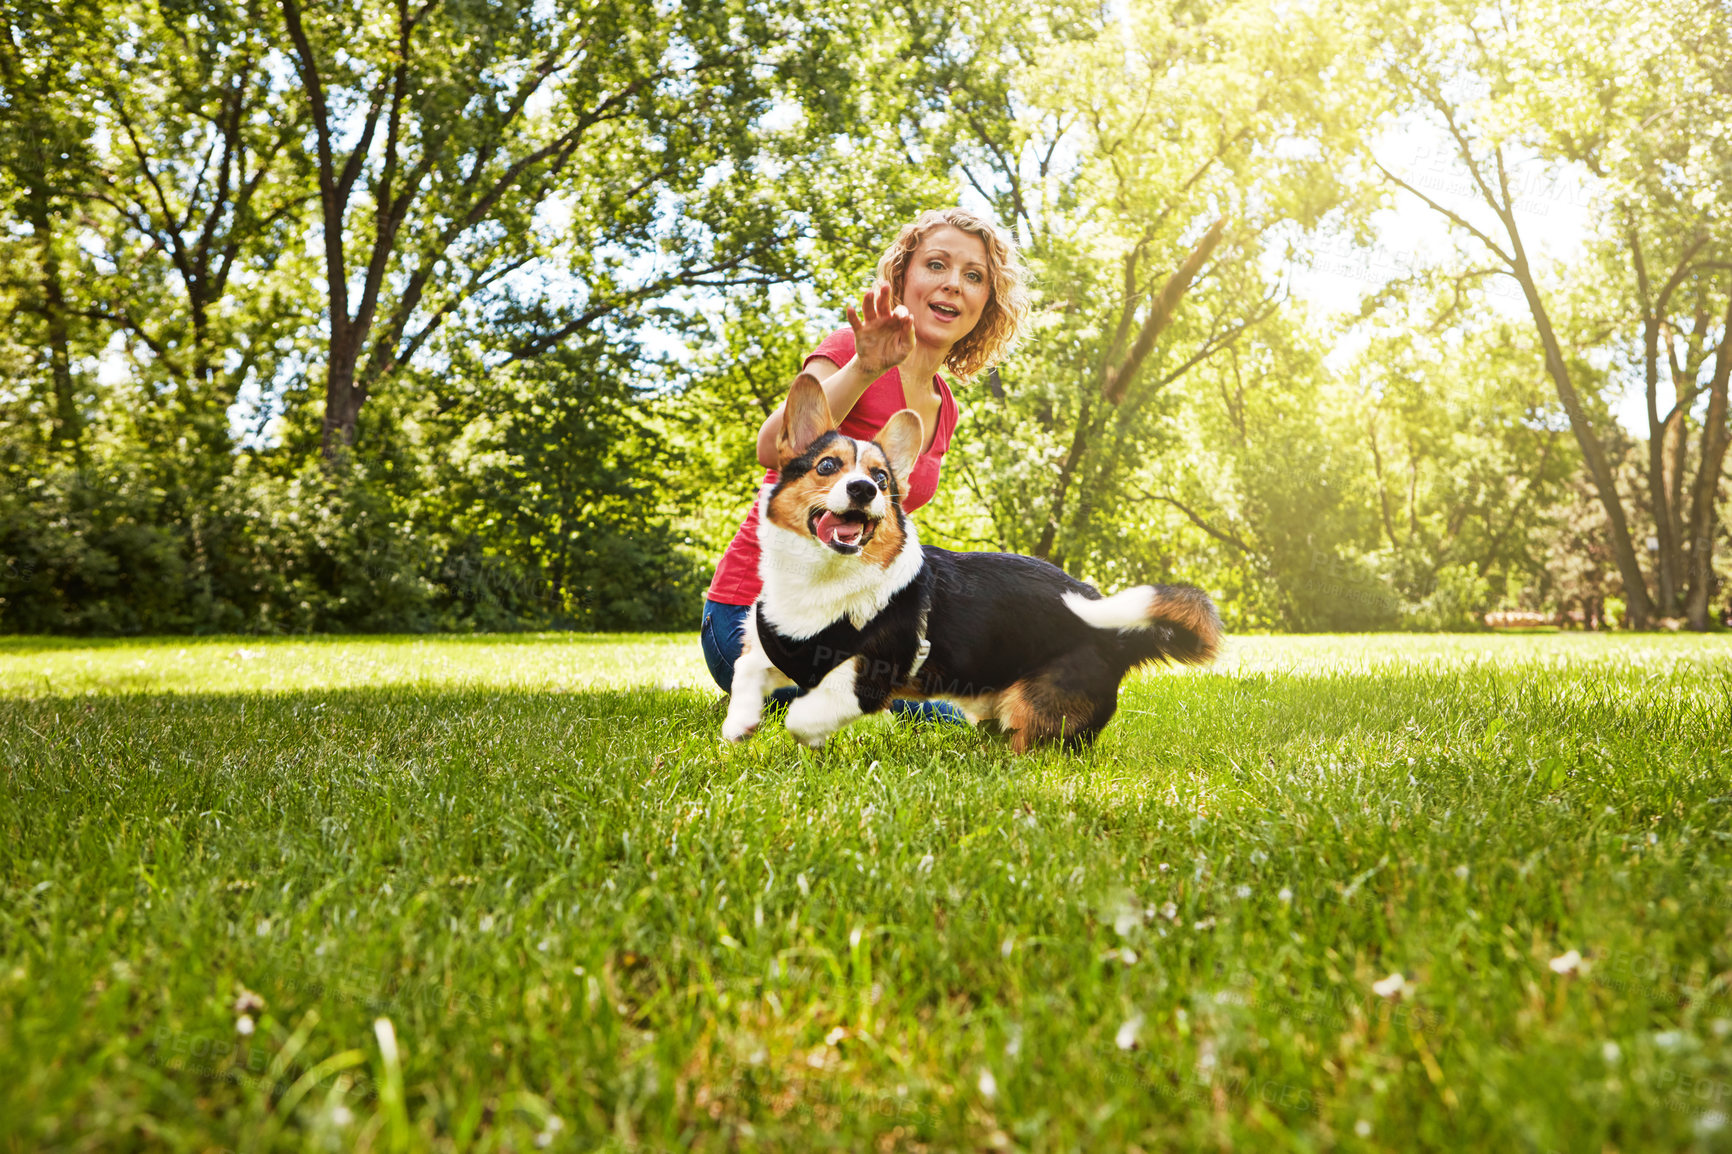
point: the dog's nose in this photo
(861, 491)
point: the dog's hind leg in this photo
(835, 703)
(1070, 701)
(754, 678)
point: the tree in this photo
(1588, 85)
(193, 205)
(1134, 158)
(43, 148)
(572, 140)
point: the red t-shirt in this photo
(736, 581)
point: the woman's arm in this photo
(883, 338)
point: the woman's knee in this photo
(717, 657)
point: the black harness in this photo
(893, 643)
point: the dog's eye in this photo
(882, 478)
(828, 466)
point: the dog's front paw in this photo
(808, 733)
(738, 729)
(812, 740)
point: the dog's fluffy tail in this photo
(1183, 616)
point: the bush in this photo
(113, 550)
(1454, 604)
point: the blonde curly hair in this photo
(1001, 322)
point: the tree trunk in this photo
(343, 397)
(33, 174)
(1636, 600)
(1061, 486)
(1116, 378)
(1666, 573)
(68, 422)
(1704, 495)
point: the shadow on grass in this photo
(1198, 720)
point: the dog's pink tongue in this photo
(832, 528)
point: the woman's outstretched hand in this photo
(883, 335)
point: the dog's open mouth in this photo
(844, 532)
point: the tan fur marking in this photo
(887, 538)
(1037, 713)
(902, 436)
(1191, 610)
(805, 418)
(792, 507)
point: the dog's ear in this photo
(901, 438)
(805, 418)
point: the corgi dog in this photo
(855, 611)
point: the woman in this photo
(950, 294)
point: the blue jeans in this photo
(724, 632)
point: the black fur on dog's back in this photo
(1004, 619)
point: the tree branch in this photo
(1218, 534)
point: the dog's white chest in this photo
(807, 587)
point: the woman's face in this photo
(946, 286)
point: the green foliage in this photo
(744, 362)
(108, 548)
(442, 316)
(560, 482)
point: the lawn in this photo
(1357, 893)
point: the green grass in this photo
(496, 892)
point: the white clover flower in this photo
(1126, 1039)
(1611, 1052)
(244, 1026)
(1286, 895)
(1391, 987)
(1362, 1128)
(1567, 963)
(988, 1084)
(925, 865)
